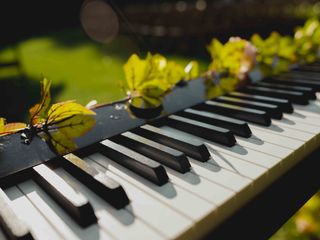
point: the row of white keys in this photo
(121, 224)
(24, 209)
(176, 196)
(265, 135)
(146, 207)
(223, 184)
(112, 223)
(279, 134)
(225, 162)
(57, 217)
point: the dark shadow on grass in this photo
(18, 94)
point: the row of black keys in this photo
(257, 103)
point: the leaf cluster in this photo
(307, 40)
(276, 53)
(235, 58)
(149, 79)
(231, 62)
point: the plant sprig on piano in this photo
(231, 62)
(276, 53)
(149, 80)
(307, 41)
(57, 124)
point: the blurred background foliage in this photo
(82, 46)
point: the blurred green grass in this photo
(83, 69)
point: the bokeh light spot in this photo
(99, 21)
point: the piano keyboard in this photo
(175, 178)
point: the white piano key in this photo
(226, 178)
(309, 141)
(235, 164)
(170, 194)
(313, 109)
(196, 184)
(288, 132)
(306, 112)
(118, 223)
(239, 151)
(150, 209)
(11, 224)
(39, 226)
(279, 140)
(305, 127)
(2, 236)
(258, 144)
(298, 117)
(58, 218)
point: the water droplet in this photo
(115, 117)
(120, 106)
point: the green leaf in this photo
(151, 78)
(234, 59)
(307, 40)
(276, 53)
(39, 111)
(135, 71)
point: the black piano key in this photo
(295, 82)
(273, 110)
(307, 68)
(309, 92)
(12, 226)
(134, 161)
(294, 96)
(238, 127)
(216, 134)
(108, 189)
(74, 203)
(156, 151)
(284, 104)
(245, 114)
(300, 76)
(192, 148)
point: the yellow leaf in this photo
(39, 111)
(174, 73)
(191, 70)
(14, 127)
(10, 128)
(76, 126)
(63, 110)
(2, 123)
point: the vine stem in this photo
(128, 98)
